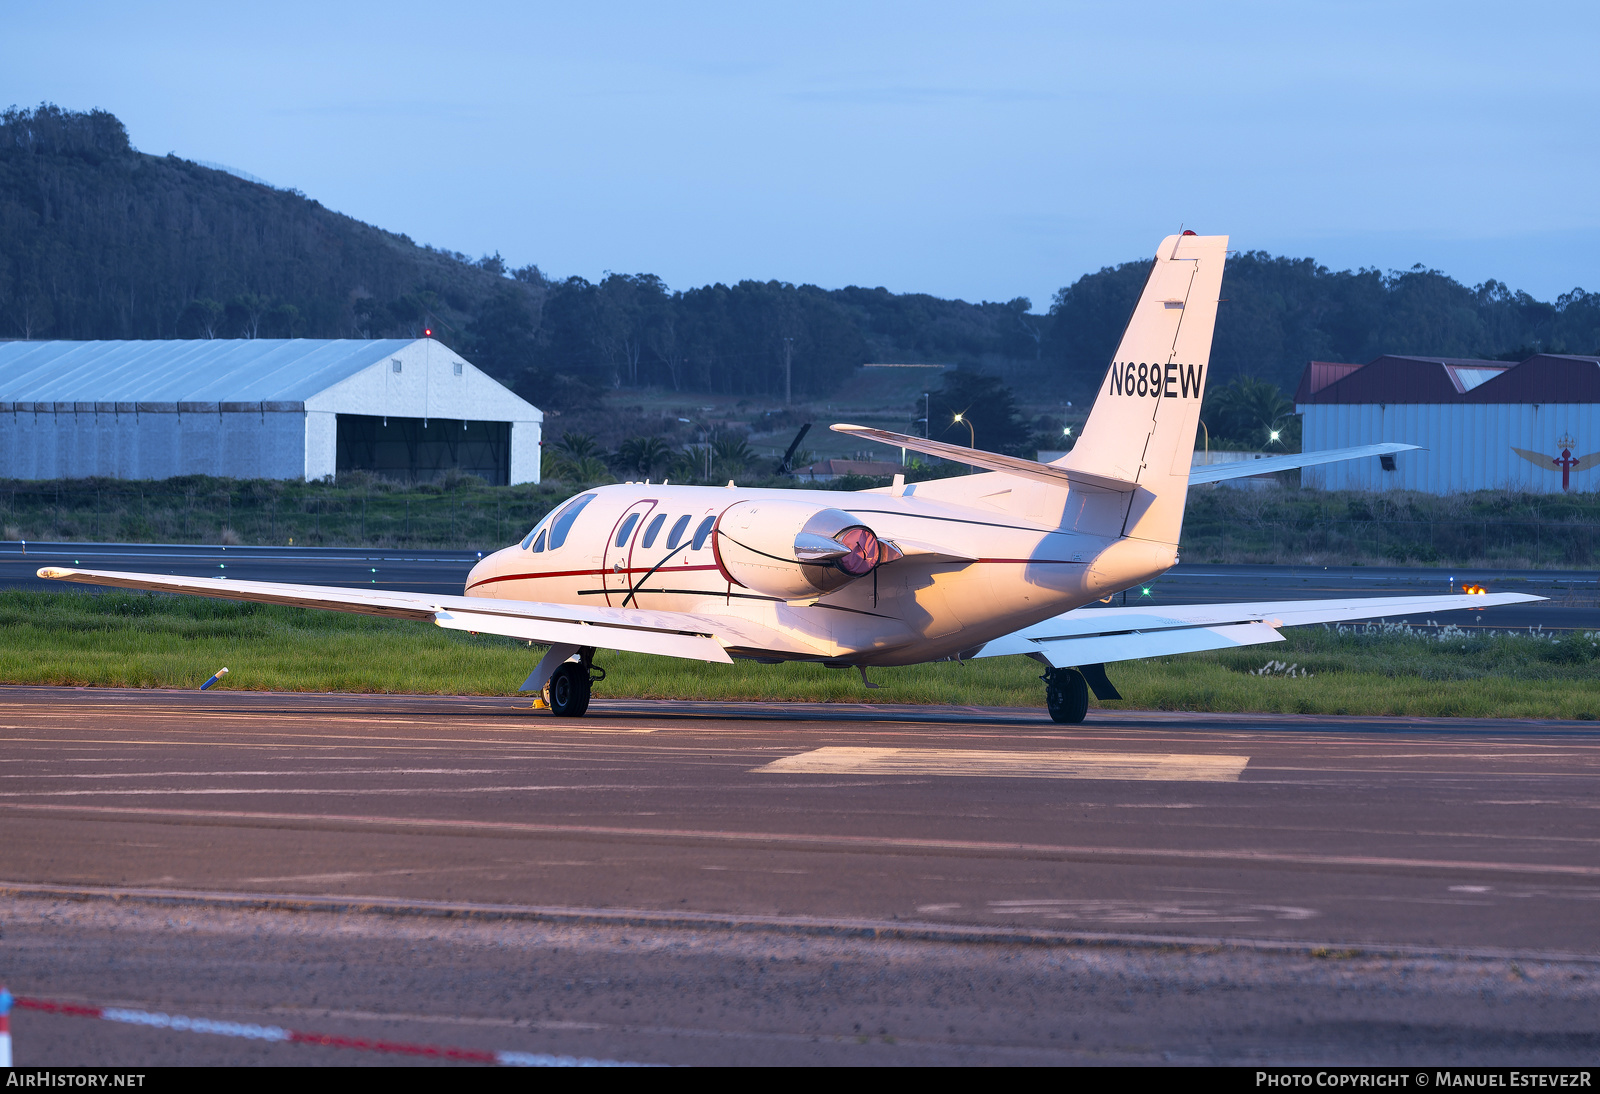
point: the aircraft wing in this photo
(1091, 636)
(1239, 469)
(672, 634)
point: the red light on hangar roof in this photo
(427, 332)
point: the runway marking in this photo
(862, 844)
(1135, 911)
(333, 790)
(1141, 766)
(272, 774)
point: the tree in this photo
(1246, 411)
(642, 455)
(284, 320)
(1023, 336)
(202, 316)
(245, 312)
(988, 404)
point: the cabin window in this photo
(702, 531)
(677, 531)
(563, 522)
(652, 530)
(538, 544)
(627, 528)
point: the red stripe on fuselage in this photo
(587, 573)
(691, 569)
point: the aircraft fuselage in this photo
(965, 573)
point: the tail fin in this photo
(1143, 423)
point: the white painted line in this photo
(1144, 766)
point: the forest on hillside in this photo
(99, 240)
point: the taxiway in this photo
(943, 847)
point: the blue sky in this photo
(981, 151)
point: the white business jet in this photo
(982, 565)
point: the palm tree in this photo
(1249, 412)
(642, 455)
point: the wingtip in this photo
(846, 427)
(53, 573)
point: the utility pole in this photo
(927, 414)
(788, 354)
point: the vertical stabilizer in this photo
(1143, 423)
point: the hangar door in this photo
(411, 450)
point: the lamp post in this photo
(972, 436)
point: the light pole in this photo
(1275, 434)
(972, 436)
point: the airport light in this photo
(972, 436)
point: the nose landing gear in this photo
(568, 692)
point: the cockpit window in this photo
(538, 544)
(652, 530)
(677, 531)
(563, 522)
(702, 531)
(627, 528)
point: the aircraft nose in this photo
(480, 570)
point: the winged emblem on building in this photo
(1566, 462)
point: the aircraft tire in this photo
(1066, 693)
(569, 690)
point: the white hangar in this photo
(258, 408)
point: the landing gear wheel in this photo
(1066, 693)
(568, 690)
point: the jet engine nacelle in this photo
(792, 549)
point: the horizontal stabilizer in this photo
(1266, 465)
(990, 461)
(1090, 635)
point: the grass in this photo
(1491, 528)
(119, 639)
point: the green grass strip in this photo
(120, 639)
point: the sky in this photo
(977, 151)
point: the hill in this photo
(99, 240)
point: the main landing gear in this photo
(567, 694)
(1066, 691)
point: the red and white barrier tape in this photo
(161, 1020)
